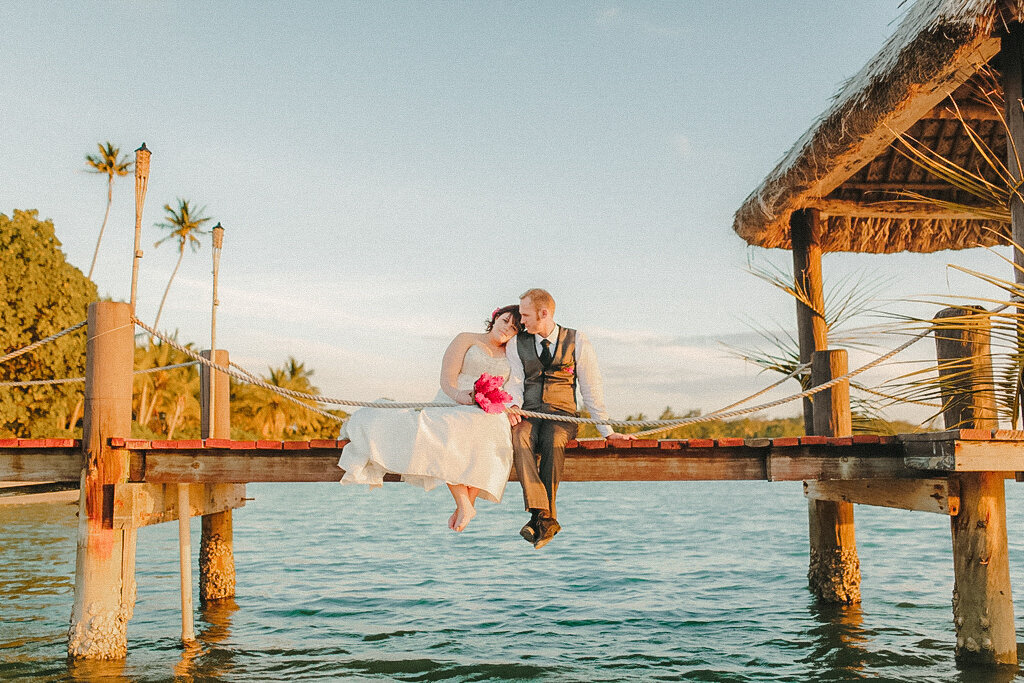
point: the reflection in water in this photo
(203, 659)
(91, 670)
(839, 639)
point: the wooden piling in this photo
(834, 570)
(812, 333)
(982, 601)
(185, 563)
(104, 567)
(216, 546)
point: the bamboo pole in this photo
(216, 546)
(105, 563)
(834, 571)
(982, 600)
(141, 184)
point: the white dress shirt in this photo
(588, 376)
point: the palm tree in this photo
(108, 163)
(184, 225)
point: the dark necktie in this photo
(545, 355)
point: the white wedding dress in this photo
(459, 444)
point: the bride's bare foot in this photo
(463, 515)
(451, 520)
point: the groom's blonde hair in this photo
(540, 298)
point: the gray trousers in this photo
(538, 450)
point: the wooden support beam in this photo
(216, 544)
(965, 456)
(104, 569)
(140, 504)
(833, 574)
(925, 495)
(41, 464)
(889, 209)
(968, 111)
(982, 601)
(805, 232)
(819, 463)
(185, 562)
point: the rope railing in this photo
(36, 344)
(676, 422)
(799, 368)
(72, 380)
(312, 409)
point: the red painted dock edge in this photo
(572, 445)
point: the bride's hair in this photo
(498, 312)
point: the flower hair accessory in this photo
(494, 313)
(488, 394)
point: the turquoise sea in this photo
(657, 581)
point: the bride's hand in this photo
(465, 398)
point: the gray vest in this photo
(550, 390)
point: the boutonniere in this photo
(571, 369)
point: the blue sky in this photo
(388, 173)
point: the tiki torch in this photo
(218, 244)
(141, 181)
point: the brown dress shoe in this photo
(528, 532)
(547, 527)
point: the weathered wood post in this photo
(812, 333)
(982, 601)
(104, 568)
(216, 548)
(834, 569)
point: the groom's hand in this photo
(615, 436)
(514, 417)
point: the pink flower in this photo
(488, 394)
(494, 313)
(571, 369)
(488, 383)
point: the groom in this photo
(547, 363)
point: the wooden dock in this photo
(727, 459)
(129, 483)
(905, 471)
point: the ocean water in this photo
(659, 581)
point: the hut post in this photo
(104, 573)
(834, 569)
(216, 546)
(805, 231)
(982, 601)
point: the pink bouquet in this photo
(489, 395)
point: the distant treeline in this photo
(749, 427)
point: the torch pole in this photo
(141, 181)
(218, 244)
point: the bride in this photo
(462, 446)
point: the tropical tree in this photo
(108, 162)
(258, 412)
(184, 225)
(165, 400)
(40, 293)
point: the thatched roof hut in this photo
(846, 165)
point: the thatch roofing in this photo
(845, 165)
